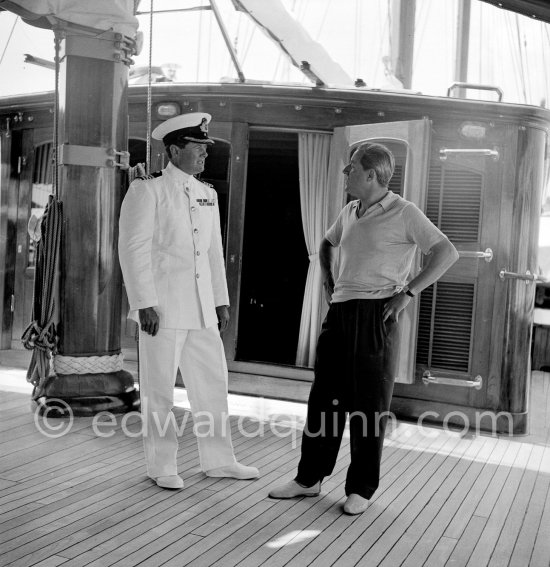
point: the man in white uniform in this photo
(171, 256)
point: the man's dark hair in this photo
(379, 158)
(176, 141)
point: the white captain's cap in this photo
(192, 127)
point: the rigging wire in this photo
(9, 39)
(57, 43)
(544, 65)
(420, 23)
(390, 26)
(323, 20)
(249, 39)
(528, 84)
(209, 50)
(199, 46)
(515, 63)
(547, 85)
(356, 72)
(149, 94)
(522, 68)
(480, 30)
(378, 58)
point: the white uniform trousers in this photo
(200, 356)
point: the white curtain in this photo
(315, 203)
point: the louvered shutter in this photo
(446, 319)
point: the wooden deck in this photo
(445, 499)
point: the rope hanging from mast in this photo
(149, 93)
(41, 334)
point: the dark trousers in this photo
(354, 374)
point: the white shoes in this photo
(236, 470)
(292, 489)
(355, 504)
(172, 482)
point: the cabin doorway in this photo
(274, 258)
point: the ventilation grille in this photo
(454, 202)
(445, 326)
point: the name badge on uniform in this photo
(206, 202)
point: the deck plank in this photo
(430, 522)
(187, 508)
(426, 530)
(345, 531)
(475, 494)
(502, 504)
(313, 522)
(405, 515)
(87, 508)
(541, 550)
(309, 526)
(262, 535)
(232, 515)
(525, 542)
(467, 542)
(129, 524)
(504, 547)
(380, 536)
(85, 501)
(440, 553)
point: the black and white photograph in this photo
(275, 283)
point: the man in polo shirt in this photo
(378, 235)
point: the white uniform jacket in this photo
(170, 250)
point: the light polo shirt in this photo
(377, 249)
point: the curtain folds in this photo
(315, 204)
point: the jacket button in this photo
(193, 208)
(195, 230)
(198, 276)
(198, 253)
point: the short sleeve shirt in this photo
(377, 249)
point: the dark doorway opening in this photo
(275, 259)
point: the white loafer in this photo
(292, 489)
(355, 504)
(236, 470)
(172, 482)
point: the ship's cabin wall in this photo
(473, 327)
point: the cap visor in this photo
(199, 140)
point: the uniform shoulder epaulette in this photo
(207, 184)
(150, 176)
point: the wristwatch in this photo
(408, 291)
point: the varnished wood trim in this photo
(8, 208)
(273, 370)
(235, 230)
(481, 419)
(269, 387)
